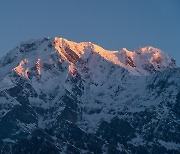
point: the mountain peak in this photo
(36, 53)
(73, 97)
(143, 61)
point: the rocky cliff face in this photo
(58, 96)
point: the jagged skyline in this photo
(65, 97)
(111, 25)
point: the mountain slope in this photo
(61, 96)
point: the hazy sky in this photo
(112, 24)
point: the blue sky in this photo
(112, 24)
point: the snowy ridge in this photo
(63, 96)
(143, 61)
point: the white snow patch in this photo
(170, 145)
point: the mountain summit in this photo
(142, 61)
(59, 96)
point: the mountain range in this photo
(59, 96)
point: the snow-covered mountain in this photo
(59, 96)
